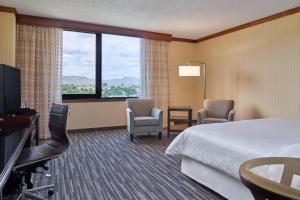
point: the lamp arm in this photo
(195, 61)
(204, 72)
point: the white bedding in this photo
(225, 146)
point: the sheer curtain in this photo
(155, 73)
(39, 56)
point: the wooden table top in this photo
(179, 108)
(286, 185)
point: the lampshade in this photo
(189, 70)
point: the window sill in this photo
(93, 100)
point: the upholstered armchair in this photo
(216, 111)
(143, 118)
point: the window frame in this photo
(98, 79)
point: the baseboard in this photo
(97, 129)
(106, 128)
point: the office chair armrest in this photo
(231, 115)
(201, 114)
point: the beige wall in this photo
(105, 114)
(184, 91)
(258, 67)
(96, 114)
(7, 38)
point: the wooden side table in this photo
(262, 186)
(179, 119)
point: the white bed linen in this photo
(225, 146)
(227, 186)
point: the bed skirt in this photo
(229, 187)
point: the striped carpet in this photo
(106, 165)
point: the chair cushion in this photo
(213, 120)
(43, 152)
(146, 121)
(218, 108)
(140, 107)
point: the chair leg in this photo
(33, 196)
(159, 135)
(28, 180)
(131, 137)
(29, 195)
(41, 188)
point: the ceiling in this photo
(190, 19)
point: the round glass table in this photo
(272, 178)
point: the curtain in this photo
(155, 73)
(39, 57)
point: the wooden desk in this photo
(12, 141)
(179, 119)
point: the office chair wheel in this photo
(50, 192)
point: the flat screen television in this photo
(10, 90)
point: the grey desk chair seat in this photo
(216, 111)
(143, 118)
(37, 156)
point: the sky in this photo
(120, 55)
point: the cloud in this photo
(79, 54)
(120, 55)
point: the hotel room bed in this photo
(212, 153)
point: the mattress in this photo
(226, 146)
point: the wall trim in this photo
(89, 27)
(97, 129)
(250, 24)
(93, 100)
(8, 9)
(183, 40)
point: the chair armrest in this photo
(201, 114)
(231, 115)
(130, 119)
(158, 114)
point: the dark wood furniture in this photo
(16, 133)
(179, 119)
(35, 116)
(263, 187)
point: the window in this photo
(79, 61)
(120, 66)
(100, 66)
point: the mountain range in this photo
(82, 80)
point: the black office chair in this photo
(37, 156)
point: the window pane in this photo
(79, 63)
(120, 66)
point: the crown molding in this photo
(82, 26)
(250, 24)
(183, 40)
(8, 9)
(89, 27)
